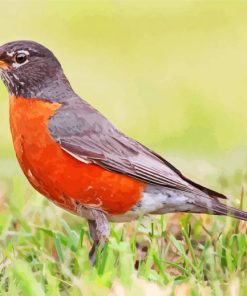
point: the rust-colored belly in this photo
(57, 175)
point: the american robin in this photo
(74, 156)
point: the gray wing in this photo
(85, 134)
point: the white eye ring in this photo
(20, 58)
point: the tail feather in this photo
(214, 207)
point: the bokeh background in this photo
(172, 74)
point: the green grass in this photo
(172, 74)
(44, 251)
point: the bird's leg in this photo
(94, 237)
(99, 231)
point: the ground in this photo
(171, 74)
(44, 250)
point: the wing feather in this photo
(91, 138)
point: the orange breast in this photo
(55, 173)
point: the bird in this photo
(78, 159)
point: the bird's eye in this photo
(20, 58)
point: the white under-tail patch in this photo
(158, 200)
(167, 200)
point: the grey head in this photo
(30, 70)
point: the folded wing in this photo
(85, 134)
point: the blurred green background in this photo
(171, 74)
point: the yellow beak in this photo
(3, 65)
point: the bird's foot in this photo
(99, 231)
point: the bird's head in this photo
(28, 68)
